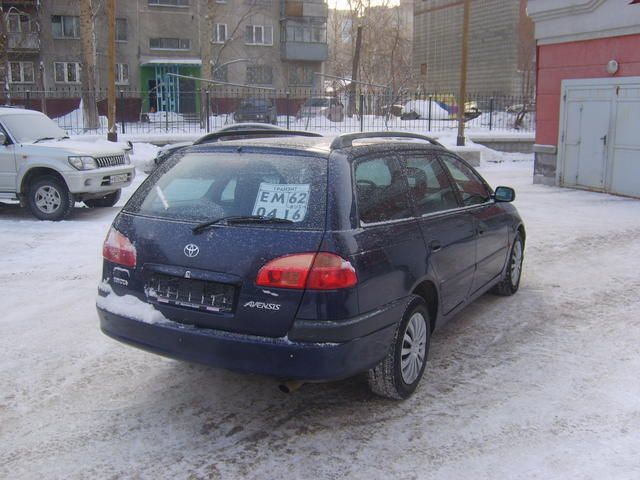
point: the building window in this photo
(259, 75)
(306, 31)
(220, 33)
(169, 3)
(65, 26)
(66, 72)
(300, 75)
(170, 43)
(21, 72)
(221, 73)
(121, 29)
(259, 35)
(122, 74)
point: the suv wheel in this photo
(399, 373)
(511, 280)
(50, 199)
(106, 201)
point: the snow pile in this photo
(143, 155)
(421, 107)
(74, 121)
(129, 306)
(169, 117)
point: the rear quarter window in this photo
(381, 190)
(200, 187)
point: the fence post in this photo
(430, 103)
(361, 112)
(207, 109)
(288, 97)
(27, 95)
(122, 109)
(490, 113)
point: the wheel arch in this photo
(429, 292)
(523, 234)
(36, 172)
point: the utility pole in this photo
(354, 71)
(112, 133)
(463, 72)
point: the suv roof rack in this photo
(214, 137)
(346, 140)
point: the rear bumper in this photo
(278, 357)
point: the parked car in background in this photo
(306, 259)
(256, 110)
(328, 107)
(166, 151)
(48, 172)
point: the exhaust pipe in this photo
(290, 386)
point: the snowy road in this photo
(544, 384)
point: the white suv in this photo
(46, 171)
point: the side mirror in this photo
(3, 139)
(504, 194)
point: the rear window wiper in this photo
(239, 219)
(43, 138)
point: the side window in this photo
(429, 185)
(473, 191)
(381, 190)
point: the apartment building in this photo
(501, 46)
(276, 44)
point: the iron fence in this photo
(203, 111)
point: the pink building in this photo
(588, 94)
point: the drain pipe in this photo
(290, 386)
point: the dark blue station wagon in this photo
(305, 259)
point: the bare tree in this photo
(4, 51)
(212, 47)
(88, 77)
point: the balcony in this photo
(27, 41)
(309, 8)
(304, 51)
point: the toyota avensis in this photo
(305, 259)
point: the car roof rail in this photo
(346, 140)
(237, 135)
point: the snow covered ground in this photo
(540, 385)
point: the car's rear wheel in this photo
(398, 374)
(106, 201)
(50, 199)
(510, 282)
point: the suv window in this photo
(472, 189)
(381, 190)
(429, 185)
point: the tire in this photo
(513, 273)
(390, 378)
(106, 201)
(50, 199)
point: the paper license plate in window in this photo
(282, 201)
(123, 177)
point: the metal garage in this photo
(599, 147)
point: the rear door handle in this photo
(435, 246)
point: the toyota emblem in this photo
(191, 250)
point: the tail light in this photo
(321, 271)
(118, 249)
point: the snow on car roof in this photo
(14, 111)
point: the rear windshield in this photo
(201, 187)
(256, 103)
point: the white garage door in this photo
(600, 139)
